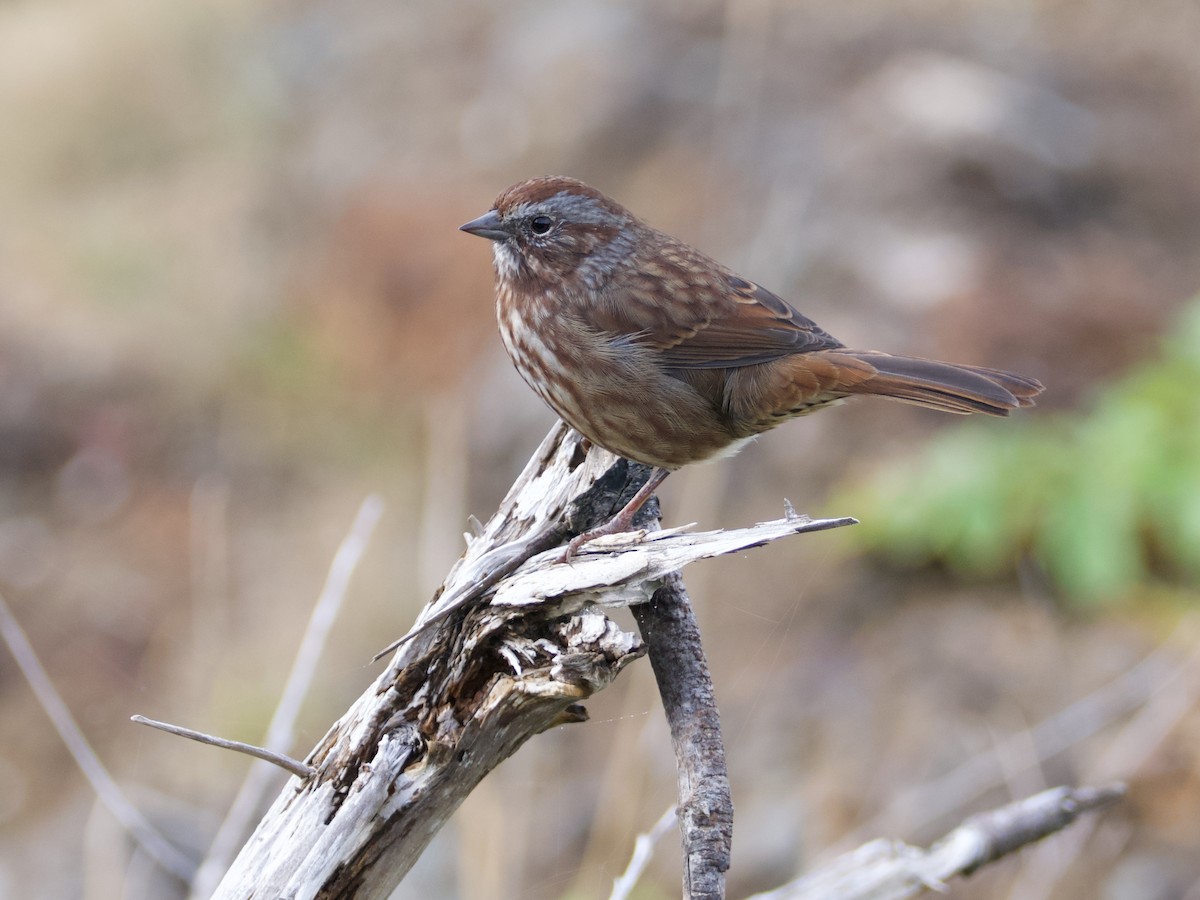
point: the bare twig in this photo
(1124, 756)
(281, 730)
(705, 805)
(988, 836)
(345, 561)
(643, 852)
(276, 759)
(941, 797)
(1145, 732)
(151, 840)
(891, 870)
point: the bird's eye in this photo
(541, 224)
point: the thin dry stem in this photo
(281, 731)
(941, 797)
(643, 852)
(151, 840)
(276, 759)
(1123, 757)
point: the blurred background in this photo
(233, 302)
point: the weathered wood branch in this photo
(705, 808)
(892, 870)
(510, 646)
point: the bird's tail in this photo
(937, 385)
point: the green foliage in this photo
(1103, 500)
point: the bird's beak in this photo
(486, 226)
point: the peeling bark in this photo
(512, 644)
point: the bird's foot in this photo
(622, 520)
(615, 525)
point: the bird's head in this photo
(557, 231)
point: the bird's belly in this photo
(615, 395)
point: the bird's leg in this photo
(623, 519)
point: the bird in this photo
(660, 354)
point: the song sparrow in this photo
(660, 354)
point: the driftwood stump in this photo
(512, 644)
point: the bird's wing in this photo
(723, 320)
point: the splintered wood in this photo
(511, 645)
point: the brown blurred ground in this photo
(233, 301)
